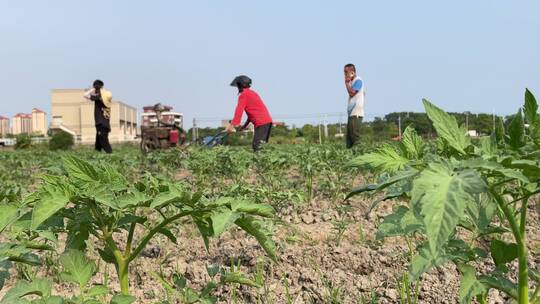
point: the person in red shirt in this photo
(257, 113)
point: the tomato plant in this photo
(95, 199)
(464, 202)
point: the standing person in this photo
(257, 113)
(355, 106)
(102, 114)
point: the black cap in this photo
(241, 81)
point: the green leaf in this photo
(516, 132)
(412, 144)
(8, 214)
(503, 252)
(80, 169)
(222, 219)
(530, 108)
(77, 268)
(48, 235)
(130, 218)
(400, 176)
(38, 287)
(470, 287)
(441, 195)
(165, 198)
(530, 169)
(205, 292)
(133, 198)
(361, 189)
(488, 145)
(205, 229)
(481, 211)
(107, 255)
(53, 300)
(401, 222)
(245, 206)
(239, 278)
(51, 200)
(425, 260)
(534, 274)
(497, 281)
(77, 236)
(447, 127)
(180, 281)
(27, 258)
(256, 228)
(494, 167)
(212, 270)
(385, 159)
(122, 299)
(5, 266)
(97, 290)
(166, 232)
(102, 194)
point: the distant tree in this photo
(61, 141)
(23, 141)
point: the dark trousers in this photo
(102, 139)
(262, 134)
(353, 130)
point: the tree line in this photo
(379, 129)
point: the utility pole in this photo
(493, 116)
(399, 126)
(340, 121)
(467, 120)
(325, 126)
(194, 130)
(320, 132)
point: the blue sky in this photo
(463, 55)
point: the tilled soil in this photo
(312, 267)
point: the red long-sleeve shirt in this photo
(256, 111)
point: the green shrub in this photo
(24, 141)
(61, 141)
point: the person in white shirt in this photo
(355, 105)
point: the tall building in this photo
(4, 126)
(39, 122)
(71, 111)
(21, 123)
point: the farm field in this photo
(445, 221)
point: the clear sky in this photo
(463, 55)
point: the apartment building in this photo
(72, 112)
(39, 122)
(4, 126)
(34, 123)
(21, 123)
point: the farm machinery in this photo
(160, 134)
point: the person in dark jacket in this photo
(102, 114)
(257, 113)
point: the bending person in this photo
(257, 113)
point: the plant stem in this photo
(523, 279)
(152, 232)
(130, 239)
(123, 276)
